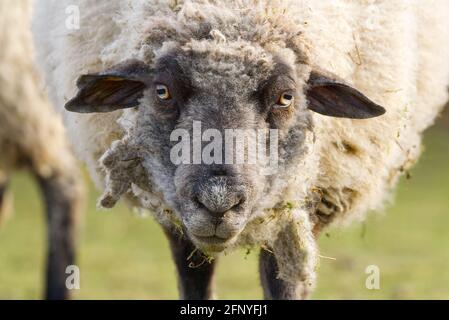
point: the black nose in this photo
(219, 195)
(220, 207)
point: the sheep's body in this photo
(30, 132)
(383, 48)
(32, 135)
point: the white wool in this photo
(394, 51)
(31, 133)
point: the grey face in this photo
(216, 200)
(219, 87)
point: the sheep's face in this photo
(221, 124)
(215, 104)
(210, 113)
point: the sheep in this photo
(32, 137)
(348, 86)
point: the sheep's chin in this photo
(213, 244)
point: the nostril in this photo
(239, 204)
(198, 202)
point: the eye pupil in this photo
(162, 92)
(285, 100)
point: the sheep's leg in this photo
(288, 269)
(3, 205)
(274, 288)
(61, 200)
(195, 273)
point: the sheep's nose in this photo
(217, 206)
(218, 196)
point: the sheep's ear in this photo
(331, 97)
(117, 88)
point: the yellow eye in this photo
(162, 92)
(286, 100)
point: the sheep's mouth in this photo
(212, 239)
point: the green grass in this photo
(123, 256)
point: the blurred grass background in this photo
(123, 256)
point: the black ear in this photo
(118, 88)
(333, 98)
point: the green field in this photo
(123, 256)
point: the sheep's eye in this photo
(162, 92)
(285, 100)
